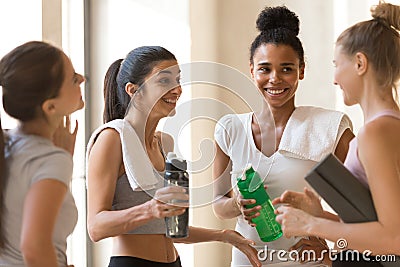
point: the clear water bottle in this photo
(251, 186)
(175, 174)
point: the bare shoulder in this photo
(105, 158)
(108, 135)
(108, 141)
(381, 128)
(380, 134)
(166, 140)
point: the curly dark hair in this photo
(280, 26)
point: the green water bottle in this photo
(251, 186)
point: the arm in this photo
(378, 152)
(224, 205)
(101, 221)
(104, 167)
(343, 145)
(197, 235)
(41, 207)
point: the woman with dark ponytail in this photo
(303, 136)
(40, 89)
(123, 203)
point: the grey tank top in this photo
(125, 198)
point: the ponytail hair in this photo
(134, 69)
(112, 106)
(29, 75)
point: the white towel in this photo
(312, 132)
(138, 168)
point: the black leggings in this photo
(126, 261)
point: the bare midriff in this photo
(153, 247)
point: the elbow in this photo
(390, 243)
(94, 233)
(32, 253)
(217, 211)
(396, 244)
(94, 236)
(224, 208)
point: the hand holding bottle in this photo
(251, 187)
(176, 175)
(248, 213)
(161, 206)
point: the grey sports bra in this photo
(125, 197)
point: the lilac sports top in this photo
(352, 161)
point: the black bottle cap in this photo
(173, 163)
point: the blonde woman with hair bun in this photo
(367, 62)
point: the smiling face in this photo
(346, 77)
(276, 72)
(162, 88)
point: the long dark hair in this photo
(29, 75)
(279, 26)
(134, 69)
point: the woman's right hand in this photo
(248, 213)
(161, 205)
(307, 201)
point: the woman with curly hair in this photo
(281, 141)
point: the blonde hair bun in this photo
(388, 13)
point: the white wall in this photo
(117, 27)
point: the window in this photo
(16, 31)
(73, 46)
(19, 31)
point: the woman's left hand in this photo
(243, 244)
(63, 137)
(294, 222)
